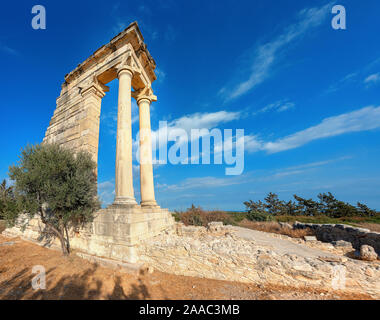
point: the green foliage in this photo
(8, 204)
(259, 216)
(327, 208)
(58, 185)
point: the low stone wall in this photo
(217, 253)
(336, 232)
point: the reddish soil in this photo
(75, 278)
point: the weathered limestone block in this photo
(367, 253)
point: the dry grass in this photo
(275, 227)
(371, 226)
(199, 217)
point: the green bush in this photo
(258, 216)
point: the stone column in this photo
(124, 194)
(146, 167)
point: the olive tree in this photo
(8, 204)
(58, 186)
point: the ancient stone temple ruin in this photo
(117, 230)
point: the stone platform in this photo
(114, 233)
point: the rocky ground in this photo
(75, 278)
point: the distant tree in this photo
(275, 206)
(308, 207)
(344, 209)
(257, 211)
(334, 208)
(292, 209)
(58, 186)
(327, 203)
(364, 211)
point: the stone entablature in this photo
(75, 123)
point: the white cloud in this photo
(364, 119)
(265, 55)
(187, 123)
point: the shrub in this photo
(258, 216)
(196, 216)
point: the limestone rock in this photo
(342, 244)
(367, 253)
(285, 225)
(310, 238)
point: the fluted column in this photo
(146, 167)
(124, 194)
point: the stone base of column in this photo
(124, 201)
(149, 204)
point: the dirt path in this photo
(75, 278)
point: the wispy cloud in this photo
(357, 77)
(106, 191)
(349, 78)
(265, 55)
(204, 182)
(109, 119)
(181, 127)
(278, 106)
(5, 49)
(170, 34)
(161, 75)
(364, 119)
(372, 79)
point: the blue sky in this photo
(306, 95)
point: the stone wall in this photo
(217, 253)
(336, 232)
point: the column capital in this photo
(93, 86)
(144, 94)
(124, 69)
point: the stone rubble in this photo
(215, 252)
